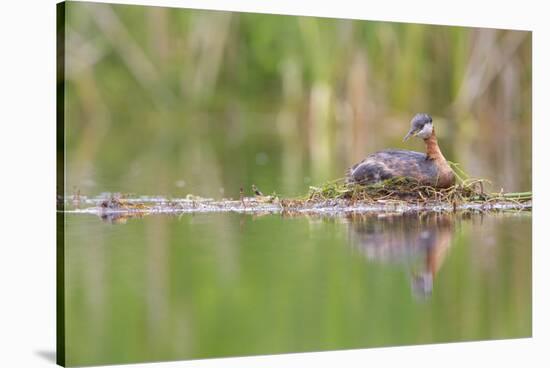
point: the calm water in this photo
(168, 287)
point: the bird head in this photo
(421, 126)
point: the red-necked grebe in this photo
(429, 168)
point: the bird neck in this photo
(432, 148)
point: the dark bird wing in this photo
(388, 164)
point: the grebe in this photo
(428, 168)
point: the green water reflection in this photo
(167, 287)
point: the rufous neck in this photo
(432, 148)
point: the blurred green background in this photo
(176, 101)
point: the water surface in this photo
(195, 286)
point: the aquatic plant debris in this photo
(335, 197)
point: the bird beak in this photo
(411, 133)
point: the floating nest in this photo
(337, 196)
(405, 189)
(466, 192)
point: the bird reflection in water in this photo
(419, 242)
(119, 218)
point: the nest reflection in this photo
(419, 242)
